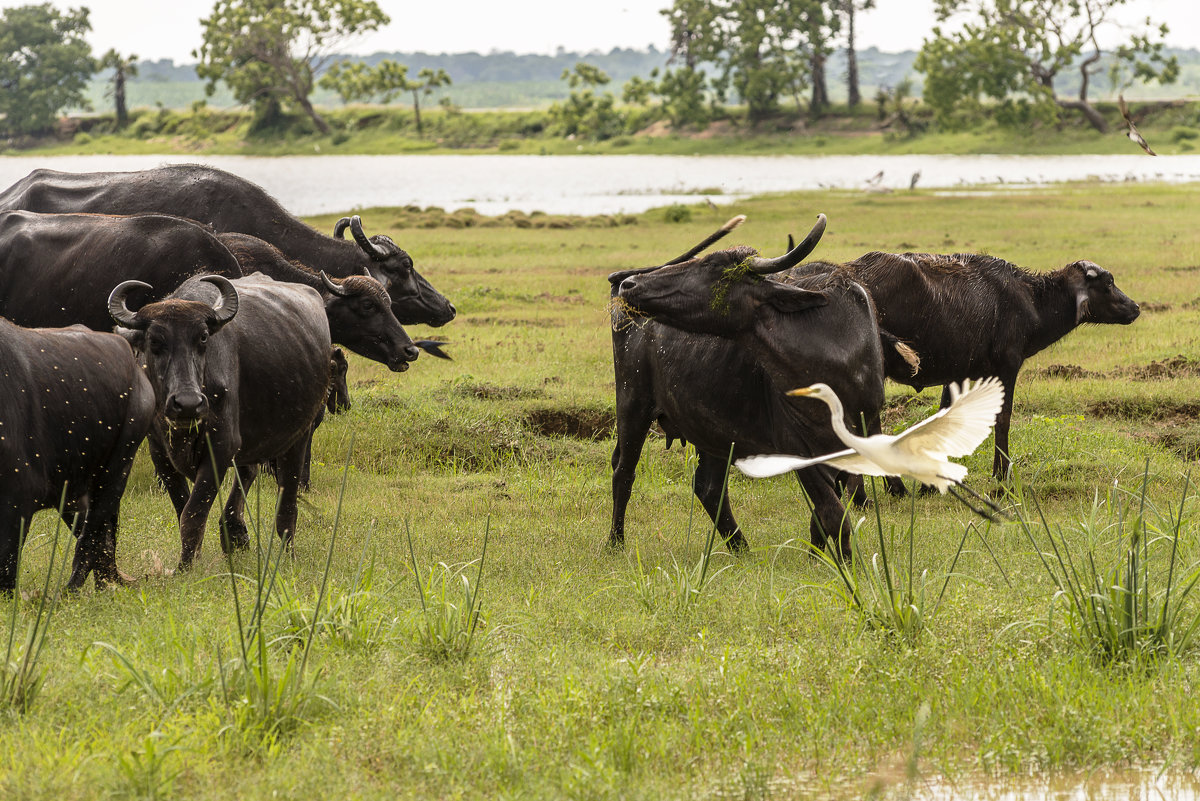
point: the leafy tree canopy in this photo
(267, 51)
(44, 65)
(1011, 51)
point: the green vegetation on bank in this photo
(594, 674)
(1170, 128)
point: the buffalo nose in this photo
(627, 285)
(411, 352)
(186, 404)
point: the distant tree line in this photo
(1021, 62)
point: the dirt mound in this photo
(1065, 371)
(1153, 306)
(1178, 366)
(575, 422)
(1159, 411)
(483, 391)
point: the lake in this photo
(611, 184)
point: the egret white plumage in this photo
(921, 452)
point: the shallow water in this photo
(611, 184)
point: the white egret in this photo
(921, 452)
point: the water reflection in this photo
(1100, 785)
(611, 184)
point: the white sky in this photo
(171, 29)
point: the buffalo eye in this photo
(203, 338)
(365, 305)
(157, 344)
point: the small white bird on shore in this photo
(921, 452)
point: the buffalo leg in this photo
(195, 512)
(1001, 463)
(96, 551)
(174, 482)
(234, 534)
(710, 484)
(288, 476)
(632, 426)
(828, 514)
(13, 526)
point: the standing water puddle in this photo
(612, 184)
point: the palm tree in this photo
(123, 67)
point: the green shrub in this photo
(677, 213)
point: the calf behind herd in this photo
(227, 310)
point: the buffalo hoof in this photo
(112, 578)
(235, 537)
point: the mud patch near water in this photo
(579, 422)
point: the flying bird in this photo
(921, 452)
(1133, 133)
(876, 178)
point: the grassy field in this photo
(599, 674)
(377, 130)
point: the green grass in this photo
(763, 683)
(376, 130)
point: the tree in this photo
(267, 51)
(44, 65)
(390, 78)
(848, 9)
(763, 48)
(1011, 51)
(350, 80)
(123, 67)
(585, 113)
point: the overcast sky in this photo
(170, 28)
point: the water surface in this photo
(612, 184)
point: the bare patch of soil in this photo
(1178, 366)
(483, 391)
(1191, 268)
(576, 422)
(520, 322)
(1158, 411)
(1153, 306)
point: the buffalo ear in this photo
(790, 299)
(136, 337)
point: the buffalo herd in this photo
(228, 311)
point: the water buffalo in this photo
(357, 307)
(58, 269)
(74, 406)
(724, 337)
(971, 316)
(240, 370)
(231, 204)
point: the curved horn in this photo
(227, 306)
(339, 228)
(373, 250)
(730, 224)
(119, 311)
(336, 289)
(793, 256)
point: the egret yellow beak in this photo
(800, 393)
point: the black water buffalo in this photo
(231, 204)
(58, 269)
(719, 346)
(242, 367)
(971, 316)
(357, 307)
(74, 406)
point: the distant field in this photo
(600, 674)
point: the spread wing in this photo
(958, 429)
(773, 465)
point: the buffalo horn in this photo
(336, 289)
(119, 311)
(793, 256)
(339, 228)
(373, 250)
(732, 223)
(227, 306)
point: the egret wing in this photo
(773, 465)
(958, 429)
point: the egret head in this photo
(818, 391)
